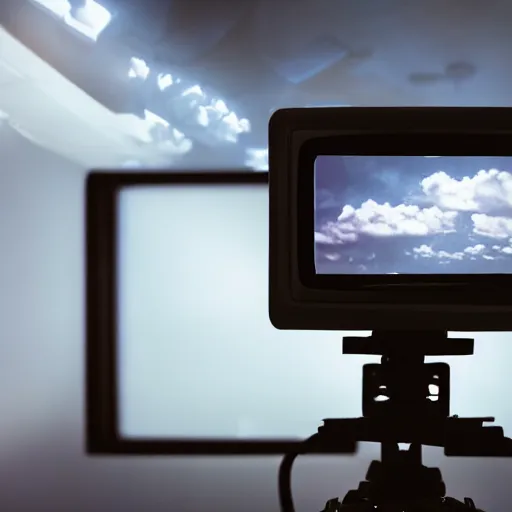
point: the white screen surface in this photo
(198, 354)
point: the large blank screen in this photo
(198, 355)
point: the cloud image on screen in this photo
(413, 215)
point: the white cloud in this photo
(321, 238)
(257, 159)
(426, 251)
(472, 252)
(384, 220)
(475, 250)
(331, 234)
(492, 227)
(164, 81)
(504, 250)
(217, 122)
(485, 192)
(138, 69)
(450, 255)
(479, 203)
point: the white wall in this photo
(42, 466)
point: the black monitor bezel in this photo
(101, 401)
(459, 289)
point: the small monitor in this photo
(403, 215)
(391, 219)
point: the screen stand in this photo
(406, 400)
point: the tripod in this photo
(405, 400)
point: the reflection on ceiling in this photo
(193, 84)
(50, 111)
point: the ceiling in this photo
(255, 56)
(51, 112)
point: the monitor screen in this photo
(198, 356)
(413, 215)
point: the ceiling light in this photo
(59, 7)
(90, 20)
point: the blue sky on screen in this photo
(402, 214)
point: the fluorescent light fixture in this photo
(59, 7)
(90, 20)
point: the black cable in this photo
(285, 476)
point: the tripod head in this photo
(406, 400)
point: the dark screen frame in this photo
(101, 372)
(462, 289)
